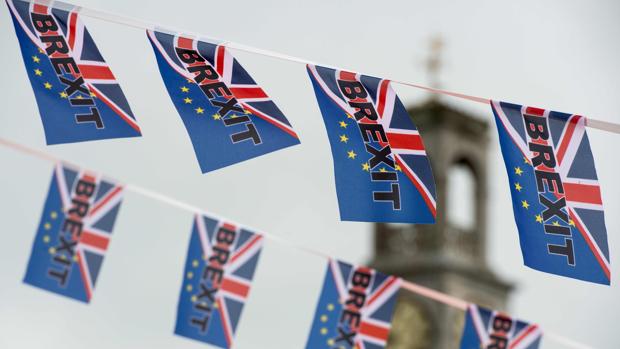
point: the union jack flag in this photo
(556, 195)
(489, 329)
(74, 233)
(219, 269)
(380, 164)
(79, 98)
(354, 309)
(228, 117)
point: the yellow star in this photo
(194, 299)
(51, 250)
(365, 167)
(526, 160)
(41, 50)
(323, 318)
(189, 288)
(518, 186)
(48, 85)
(344, 138)
(556, 223)
(571, 222)
(382, 169)
(46, 239)
(36, 59)
(323, 331)
(397, 168)
(75, 257)
(247, 112)
(351, 154)
(216, 305)
(349, 116)
(195, 263)
(539, 218)
(216, 116)
(234, 116)
(524, 204)
(184, 89)
(53, 214)
(199, 110)
(330, 342)
(92, 94)
(63, 94)
(79, 97)
(343, 124)
(47, 226)
(190, 275)
(189, 81)
(187, 100)
(330, 307)
(38, 72)
(518, 170)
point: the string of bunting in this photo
(73, 187)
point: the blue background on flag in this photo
(353, 184)
(532, 236)
(57, 115)
(210, 137)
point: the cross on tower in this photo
(434, 62)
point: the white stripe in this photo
(510, 129)
(426, 191)
(594, 243)
(342, 291)
(478, 325)
(248, 254)
(573, 146)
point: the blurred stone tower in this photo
(448, 256)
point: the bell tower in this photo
(449, 256)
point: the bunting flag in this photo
(228, 117)
(490, 329)
(219, 269)
(555, 192)
(74, 233)
(355, 308)
(79, 98)
(381, 168)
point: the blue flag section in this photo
(219, 269)
(488, 329)
(556, 196)
(78, 97)
(355, 308)
(228, 117)
(380, 164)
(74, 233)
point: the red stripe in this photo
(382, 96)
(107, 198)
(405, 141)
(590, 243)
(248, 92)
(235, 287)
(219, 65)
(381, 290)
(72, 29)
(346, 75)
(96, 72)
(568, 135)
(40, 9)
(585, 193)
(223, 315)
(374, 331)
(534, 111)
(245, 248)
(229, 226)
(429, 203)
(185, 43)
(522, 336)
(91, 239)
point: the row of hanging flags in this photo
(382, 171)
(354, 307)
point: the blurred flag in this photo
(556, 197)
(219, 269)
(355, 308)
(490, 329)
(382, 171)
(74, 233)
(228, 117)
(79, 98)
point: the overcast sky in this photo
(561, 55)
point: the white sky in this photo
(561, 55)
